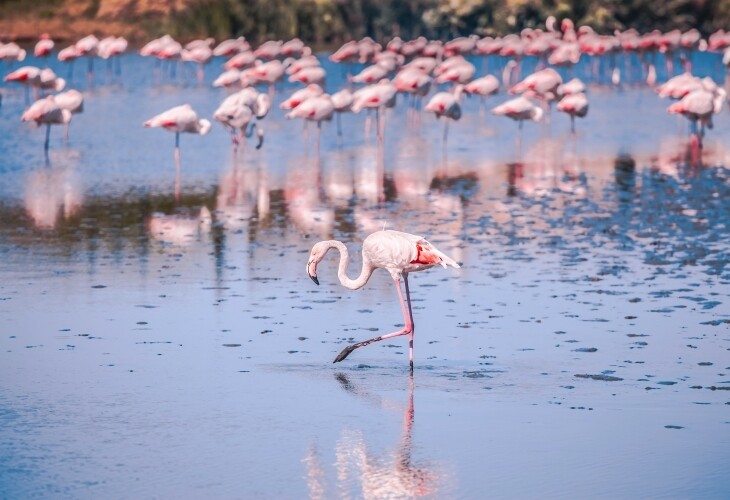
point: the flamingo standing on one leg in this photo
(316, 109)
(71, 100)
(47, 112)
(398, 253)
(447, 105)
(574, 105)
(179, 119)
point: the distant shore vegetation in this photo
(327, 23)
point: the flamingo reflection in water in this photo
(179, 229)
(547, 167)
(394, 475)
(53, 193)
(243, 194)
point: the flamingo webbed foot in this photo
(345, 352)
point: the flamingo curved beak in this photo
(313, 272)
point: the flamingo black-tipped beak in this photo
(314, 278)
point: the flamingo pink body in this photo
(413, 81)
(371, 74)
(544, 83)
(11, 52)
(311, 74)
(180, 119)
(445, 104)
(44, 46)
(398, 253)
(519, 109)
(316, 109)
(301, 95)
(240, 60)
(484, 86)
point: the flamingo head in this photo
(319, 250)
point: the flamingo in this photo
(412, 80)
(73, 101)
(699, 106)
(44, 46)
(398, 253)
(376, 96)
(519, 109)
(47, 112)
(241, 60)
(179, 119)
(447, 105)
(574, 105)
(316, 109)
(238, 110)
(12, 52)
(306, 61)
(87, 46)
(301, 95)
(342, 101)
(231, 47)
(199, 53)
(310, 74)
(483, 87)
(110, 48)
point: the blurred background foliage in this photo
(331, 22)
(327, 22)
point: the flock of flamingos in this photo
(409, 68)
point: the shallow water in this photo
(148, 350)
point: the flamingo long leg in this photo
(177, 166)
(406, 330)
(48, 138)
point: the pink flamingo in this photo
(483, 87)
(306, 61)
(317, 109)
(271, 49)
(416, 82)
(12, 52)
(238, 110)
(376, 96)
(73, 101)
(231, 47)
(110, 48)
(371, 74)
(293, 48)
(310, 74)
(241, 60)
(270, 72)
(301, 95)
(46, 112)
(519, 109)
(342, 101)
(574, 105)
(699, 106)
(44, 46)
(199, 53)
(397, 252)
(179, 119)
(447, 105)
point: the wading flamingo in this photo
(179, 119)
(398, 253)
(46, 112)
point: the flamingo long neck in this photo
(365, 272)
